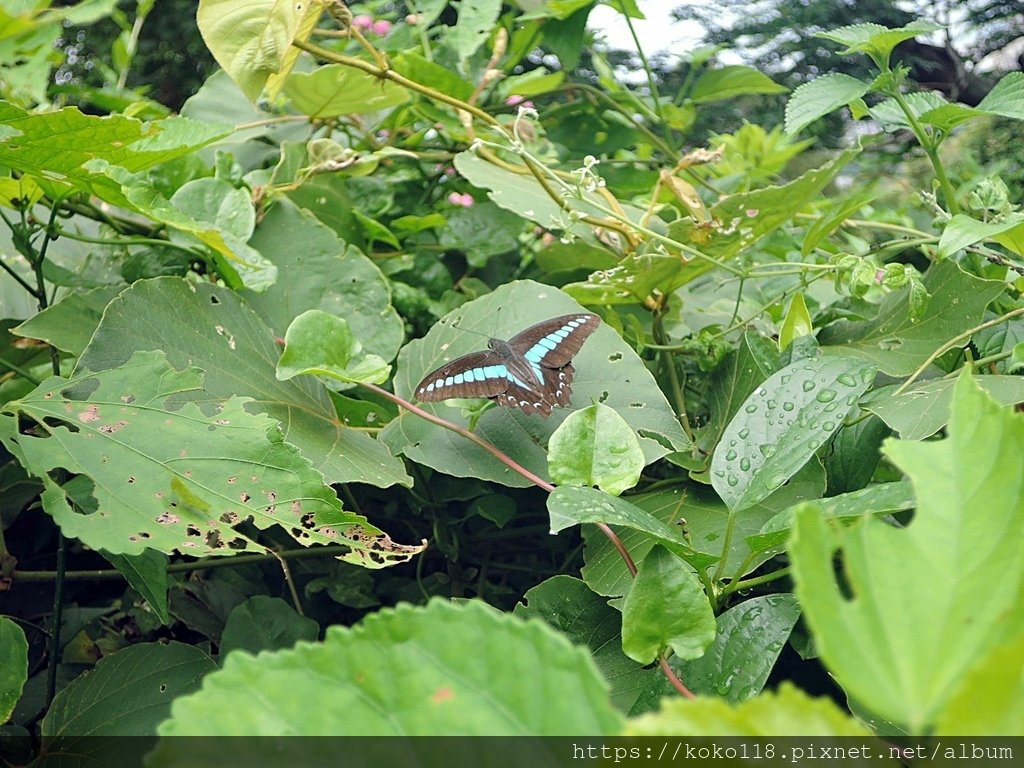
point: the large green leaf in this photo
(322, 274)
(894, 341)
(664, 608)
(585, 617)
(146, 572)
(69, 324)
(786, 712)
(13, 666)
(465, 669)
(607, 370)
(782, 424)
(128, 694)
(923, 409)
(595, 446)
(54, 147)
(917, 606)
(333, 90)
(209, 327)
(251, 39)
(569, 506)
(1000, 675)
(265, 623)
(166, 475)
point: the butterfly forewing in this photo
(479, 374)
(555, 342)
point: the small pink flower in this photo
(752, 212)
(362, 21)
(381, 28)
(465, 199)
(518, 101)
(547, 239)
(879, 276)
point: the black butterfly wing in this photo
(478, 374)
(549, 348)
(555, 342)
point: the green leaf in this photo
(963, 231)
(13, 666)
(881, 499)
(820, 97)
(785, 712)
(782, 424)
(595, 446)
(990, 697)
(319, 343)
(666, 608)
(476, 19)
(534, 83)
(522, 194)
(607, 370)
(69, 324)
(875, 40)
(731, 81)
(218, 203)
(924, 409)
(1006, 98)
(917, 605)
(146, 572)
(854, 454)
(211, 328)
(465, 669)
(54, 147)
(568, 605)
(323, 274)
(897, 344)
(430, 73)
(250, 38)
(797, 323)
(733, 381)
(568, 506)
(128, 694)
(265, 623)
(167, 476)
(334, 89)
(750, 637)
(889, 112)
(743, 219)
(239, 262)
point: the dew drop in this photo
(788, 406)
(751, 408)
(743, 434)
(732, 480)
(745, 464)
(767, 450)
(847, 379)
(730, 455)
(825, 396)
(808, 385)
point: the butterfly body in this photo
(531, 371)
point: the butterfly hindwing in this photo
(478, 374)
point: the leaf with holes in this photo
(212, 328)
(169, 476)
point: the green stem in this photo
(757, 581)
(930, 147)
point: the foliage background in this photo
(221, 286)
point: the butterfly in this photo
(531, 371)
